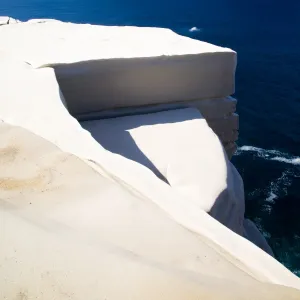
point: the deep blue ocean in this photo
(266, 35)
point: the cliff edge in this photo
(122, 198)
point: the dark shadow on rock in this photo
(121, 142)
(114, 134)
(228, 208)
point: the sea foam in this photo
(274, 155)
(294, 161)
(194, 29)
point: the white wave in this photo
(194, 29)
(294, 161)
(260, 150)
(271, 197)
(279, 186)
(270, 154)
(267, 208)
(297, 273)
(250, 148)
(276, 188)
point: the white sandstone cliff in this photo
(129, 201)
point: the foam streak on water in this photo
(279, 186)
(295, 161)
(274, 155)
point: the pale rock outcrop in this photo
(129, 67)
(4, 20)
(82, 222)
(219, 114)
(181, 149)
(69, 232)
(13, 21)
(9, 62)
(41, 20)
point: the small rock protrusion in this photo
(13, 21)
(4, 20)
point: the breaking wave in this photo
(271, 197)
(279, 186)
(194, 29)
(274, 155)
(294, 161)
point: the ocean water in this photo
(266, 35)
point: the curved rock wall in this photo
(74, 211)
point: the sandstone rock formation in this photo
(119, 202)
